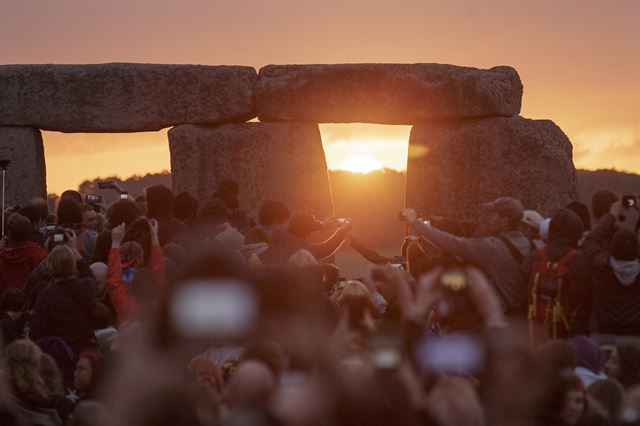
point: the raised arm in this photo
(124, 304)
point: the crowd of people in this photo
(163, 310)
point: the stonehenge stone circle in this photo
(454, 167)
(26, 177)
(281, 161)
(121, 97)
(385, 93)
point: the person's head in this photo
(229, 238)
(23, 369)
(565, 228)
(625, 245)
(273, 213)
(502, 214)
(530, 225)
(624, 364)
(251, 384)
(601, 202)
(99, 271)
(87, 369)
(102, 317)
(589, 353)
(175, 252)
(583, 213)
(51, 375)
(557, 356)
(228, 191)
(303, 225)
(213, 213)
(123, 211)
(69, 213)
(185, 206)
(43, 208)
(159, 201)
(131, 254)
(61, 262)
(575, 402)
(13, 300)
(70, 194)
(302, 258)
(32, 212)
(19, 227)
(90, 218)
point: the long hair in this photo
(23, 370)
(61, 262)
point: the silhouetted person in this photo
(273, 215)
(160, 207)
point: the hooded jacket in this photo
(615, 303)
(492, 255)
(16, 262)
(565, 231)
(160, 207)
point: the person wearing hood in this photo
(616, 281)
(591, 359)
(20, 256)
(565, 231)
(160, 208)
(606, 208)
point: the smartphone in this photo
(628, 201)
(344, 221)
(124, 195)
(93, 199)
(105, 184)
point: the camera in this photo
(628, 201)
(124, 195)
(455, 309)
(93, 199)
(343, 221)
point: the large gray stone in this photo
(121, 97)
(385, 93)
(455, 167)
(279, 161)
(26, 177)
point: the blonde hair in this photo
(51, 375)
(302, 258)
(61, 262)
(23, 369)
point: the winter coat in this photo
(492, 255)
(16, 262)
(65, 309)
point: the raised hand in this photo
(117, 235)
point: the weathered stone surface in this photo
(384, 93)
(26, 177)
(279, 161)
(120, 97)
(455, 167)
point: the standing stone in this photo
(454, 167)
(284, 162)
(385, 93)
(26, 177)
(120, 97)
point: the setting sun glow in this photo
(361, 164)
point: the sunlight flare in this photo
(361, 164)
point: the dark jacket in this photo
(599, 239)
(565, 231)
(16, 262)
(492, 255)
(64, 309)
(160, 207)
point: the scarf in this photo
(626, 271)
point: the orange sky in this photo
(579, 62)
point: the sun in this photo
(361, 164)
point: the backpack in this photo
(548, 299)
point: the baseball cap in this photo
(506, 206)
(532, 218)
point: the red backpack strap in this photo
(542, 264)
